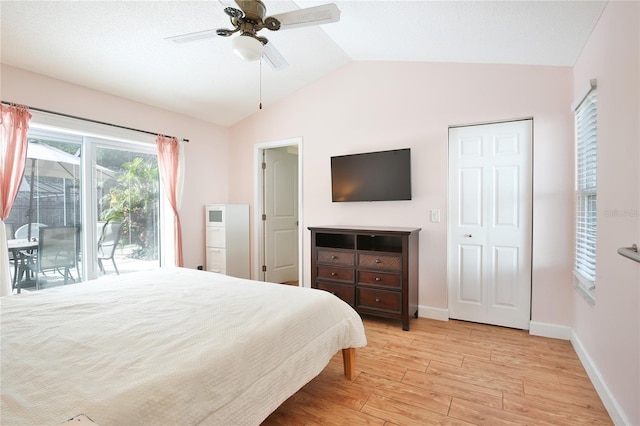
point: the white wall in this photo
(377, 106)
(206, 153)
(609, 331)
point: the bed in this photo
(166, 347)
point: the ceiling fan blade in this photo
(317, 15)
(198, 35)
(275, 59)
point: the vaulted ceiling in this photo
(121, 47)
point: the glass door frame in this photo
(94, 136)
(90, 208)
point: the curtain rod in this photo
(93, 121)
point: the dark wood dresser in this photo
(373, 269)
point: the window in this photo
(586, 129)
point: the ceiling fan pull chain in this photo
(261, 82)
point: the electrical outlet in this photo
(435, 215)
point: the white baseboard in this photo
(567, 333)
(433, 313)
(609, 401)
(550, 330)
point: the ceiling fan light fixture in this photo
(247, 47)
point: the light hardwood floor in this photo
(449, 373)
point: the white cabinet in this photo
(227, 239)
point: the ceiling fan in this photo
(251, 18)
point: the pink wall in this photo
(610, 330)
(206, 154)
(376, 106)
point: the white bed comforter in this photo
(168, 347)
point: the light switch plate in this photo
(435, 215)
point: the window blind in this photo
(586, 122)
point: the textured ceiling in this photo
(119, 47)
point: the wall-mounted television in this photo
(372, 176)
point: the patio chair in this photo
(9, 230)
(109, 239)
(22, 259)
(57, 251)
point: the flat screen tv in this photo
(372, 176)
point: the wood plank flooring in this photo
(449, 373)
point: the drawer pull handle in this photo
(334, 257)
(333, 274)
(378, 278)
(377, 299)
(377, 260)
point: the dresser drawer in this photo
(380, 300)
(383, 279)
(215, 236)
(335, 257)
(376, 261)
(335, 274)
(344, 292)
(216, 260)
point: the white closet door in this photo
(490, 223)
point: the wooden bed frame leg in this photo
(349, 362)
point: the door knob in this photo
(467, 235)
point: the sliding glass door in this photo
(47, 208)
(128, 210)
(103, 195)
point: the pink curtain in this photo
(169, 161)
(13, 154)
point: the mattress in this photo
(165, 347)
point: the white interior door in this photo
(490, 223)
(281, 215)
